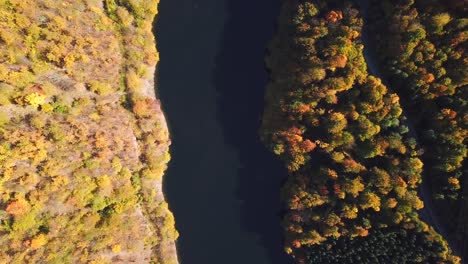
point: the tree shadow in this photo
(240, 81)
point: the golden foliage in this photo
(69, 141)
(18, 207)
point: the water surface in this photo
(222, 185)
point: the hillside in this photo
(354, 166)
(83, 141)
(427, 64)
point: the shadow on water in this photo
(240, 80)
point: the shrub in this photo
(100, 87)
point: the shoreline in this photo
(150, 89)
(168, 248)
(160, 218)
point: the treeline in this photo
(353, 167)
(422, 47)
(378, 247)
(82, 139)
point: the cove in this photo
(222, 185)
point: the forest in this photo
(83, 143)
(354, 164)
(427, 64)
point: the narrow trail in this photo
(427, 213)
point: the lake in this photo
(222, 185)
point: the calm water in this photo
(222, 185)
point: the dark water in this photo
(222, 185)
